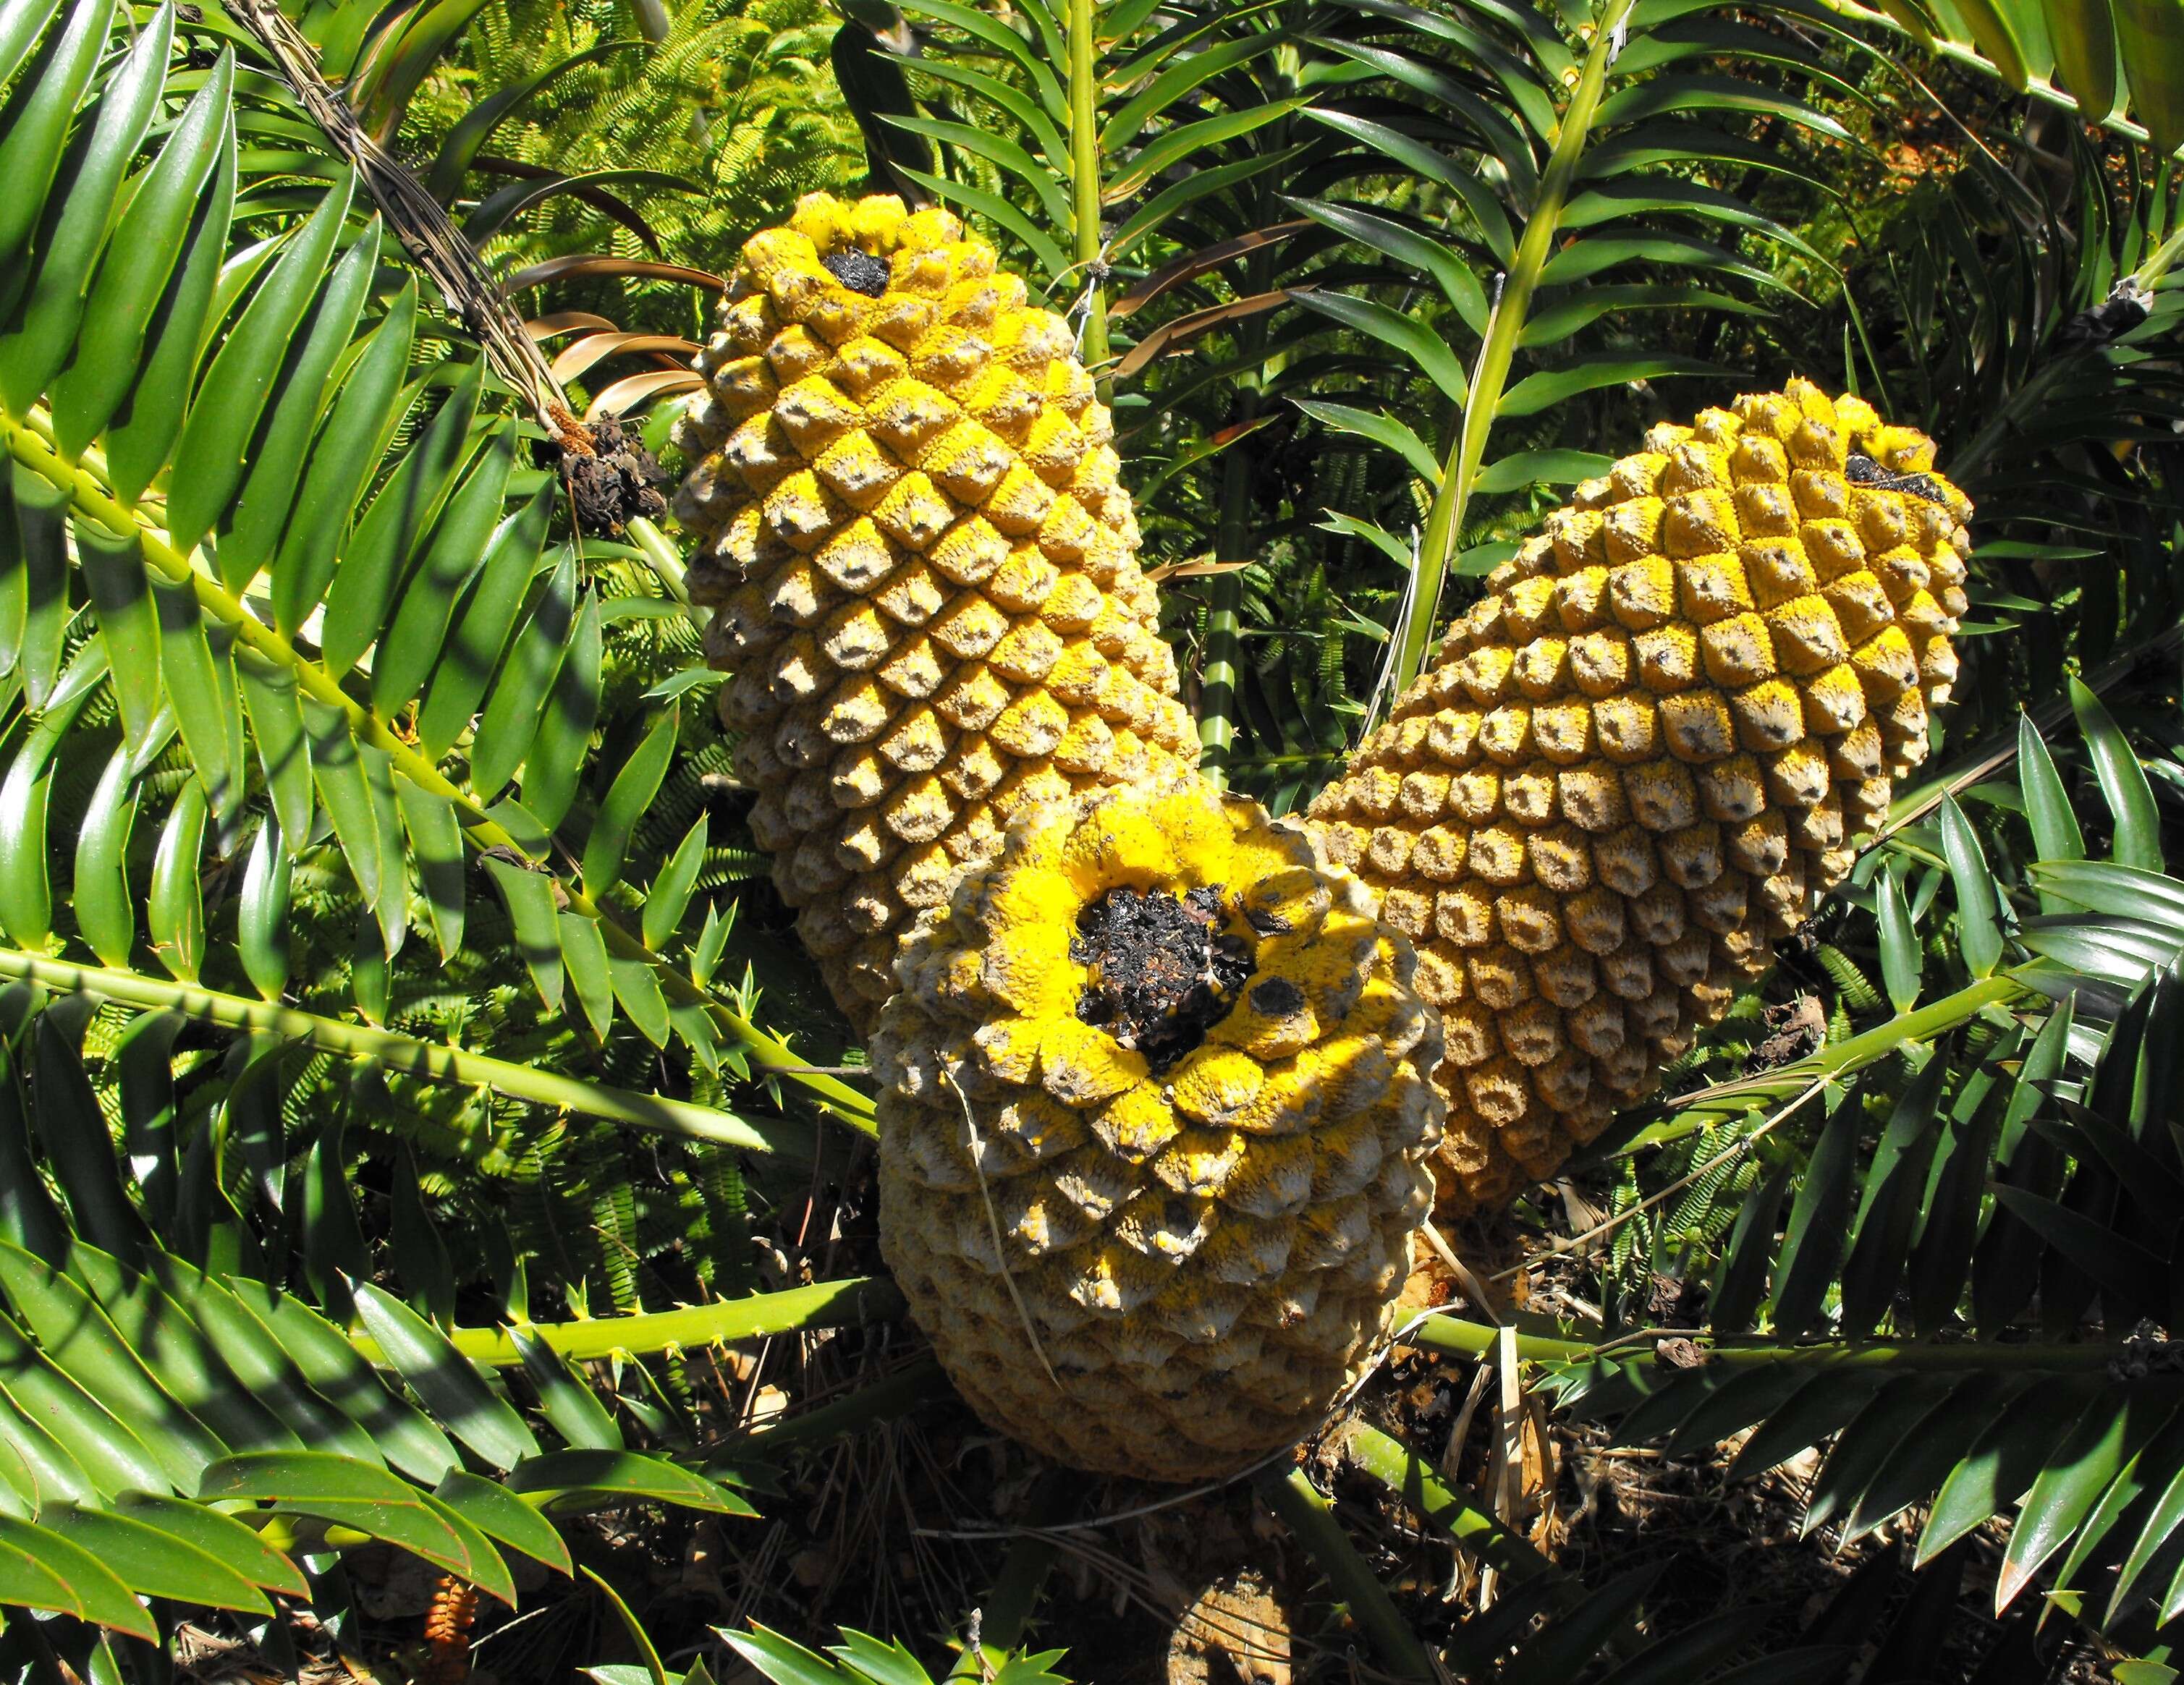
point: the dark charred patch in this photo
(1164, 972)
(1276, 998)
(610, 477)
(1864, 470)
(2117, 314)
(859, 271)
(1796, 1028)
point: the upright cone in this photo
(1643, 753)
(1153, 1132)
(923, 568)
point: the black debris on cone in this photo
(1164, 972)
(1864, 470)
(859, 271)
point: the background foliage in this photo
(420, 1140)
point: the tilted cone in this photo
(1137, 1251)
(1643, 753)
(922, 565)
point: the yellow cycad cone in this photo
(923, 566)
(1153, 1132)
(1643, 753)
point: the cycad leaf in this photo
(133, 276)
(2106, 1437)
(105, 911)
(1741, 1281)
(1825, 1404)
(336, 767)
(21, 23)
(2123, 781)
(34, 546)
(412, 645)
(249, 537)
(1900, 956)
(37, 113)
(139, 438)
(1817, 1218)
(2002, 1466)
(128, 622)
(81, 1342)
(1889, 1207)
(1863, 1446)
(504, 1518)
(512, 715)
(627, 802)
(571, 1478)
(385, 542)
(1404, 331)
(1924, 1457)
(369, 1499)
(568, 1402)
(1979, 927)
(442, 1378)
(104, 1455)
(203, 706)
(530, 898)
(326, 1360)
(42, 1568)
(669, 898)
(259, 1361)
(36, 339)
(585, 952)
(1445, 266)
(555, 759)
(79, 1147)
(153, 1562)
(223, 415)
(484, 620)
(635, 985)
(219, 1536)
(372, 404)
(1384, 431)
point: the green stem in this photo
(1691, 1112)
(1311, 1518)
(1476, 1532)
(2041, 88)
(1454, 1335)
(29, 442)
(899, 1394)
(1005, 1612)
(1220, 669)
(430, 1061)
(1259, 762)
(1084, 172)
(1922, 1025)
(1956, 1354)
(1504, 330)
(1459, 1337)
(2030, 399)
(826, 1304)
(665, 561)
(2150, 272)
